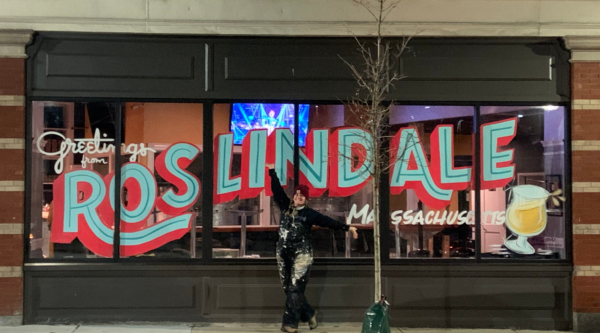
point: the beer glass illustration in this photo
(526, 215)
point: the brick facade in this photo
(586, 293)
(585, 122)
(12, 176)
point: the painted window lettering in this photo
(99, 144)
(400, 217)
(496, 165)
(433, 179)
(411, 170)
(85, 201)
(84, 208)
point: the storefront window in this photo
(73, 179)
(432, 200)
(169, 224)
(328, 196)
(246, 218)
(71, 156)
(522, 182)
(431, 197)
(244, 221)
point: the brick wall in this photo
(12, 72)
(12, 166)
(586, 297)
(585, 122)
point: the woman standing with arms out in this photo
(294, 250)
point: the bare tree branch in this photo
(369, 110)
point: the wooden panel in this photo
(111, 293)
(247, 296)
(285, 68)
(330, 293)
(100, 66)
(120, 67)
(464, 61)
(521, 296)
(289, 69)
(501, 70)
(520, 300)
(458, 69)
(480, 69)
(471, 293)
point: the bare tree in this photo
(370, 108)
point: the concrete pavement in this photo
(229, 328)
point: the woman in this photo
(294, 250)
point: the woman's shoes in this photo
(312, 323)
(289, 329)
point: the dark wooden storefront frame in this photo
(52, 286)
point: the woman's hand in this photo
(270, 166)
(353, 231)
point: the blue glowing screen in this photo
(248, 116)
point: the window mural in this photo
(430, 184)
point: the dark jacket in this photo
(297, 227)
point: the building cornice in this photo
(461, 18)
(583, 48)
(13, 42)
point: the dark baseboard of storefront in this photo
(586, 322)
(469, 296)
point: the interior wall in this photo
(170, 123)
(161, 123)
(221, 118)
(134, 122)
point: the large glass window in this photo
(348, 204)
(522, 182)
(431, 197)
(74, 171)
(172, 134)
(244, 222)
(245, 218)
(67, 176)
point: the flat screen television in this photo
(248, 116)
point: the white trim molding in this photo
(584, 48)
(12, 186)
(586, 229)
(12, 44)
(11, 271)
(586, 104)
(586, 271)
(11, 228)
(12, 143)
(518, 18)
(590, 145)
(586, 187)
(11, 100)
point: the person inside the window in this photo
(294, 250)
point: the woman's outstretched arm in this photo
(281, 198)
(325, 221)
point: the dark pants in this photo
(294, 267)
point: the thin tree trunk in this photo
(376, 237)
(381, 64)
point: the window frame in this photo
(207, 188)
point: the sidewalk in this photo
(230, 328)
